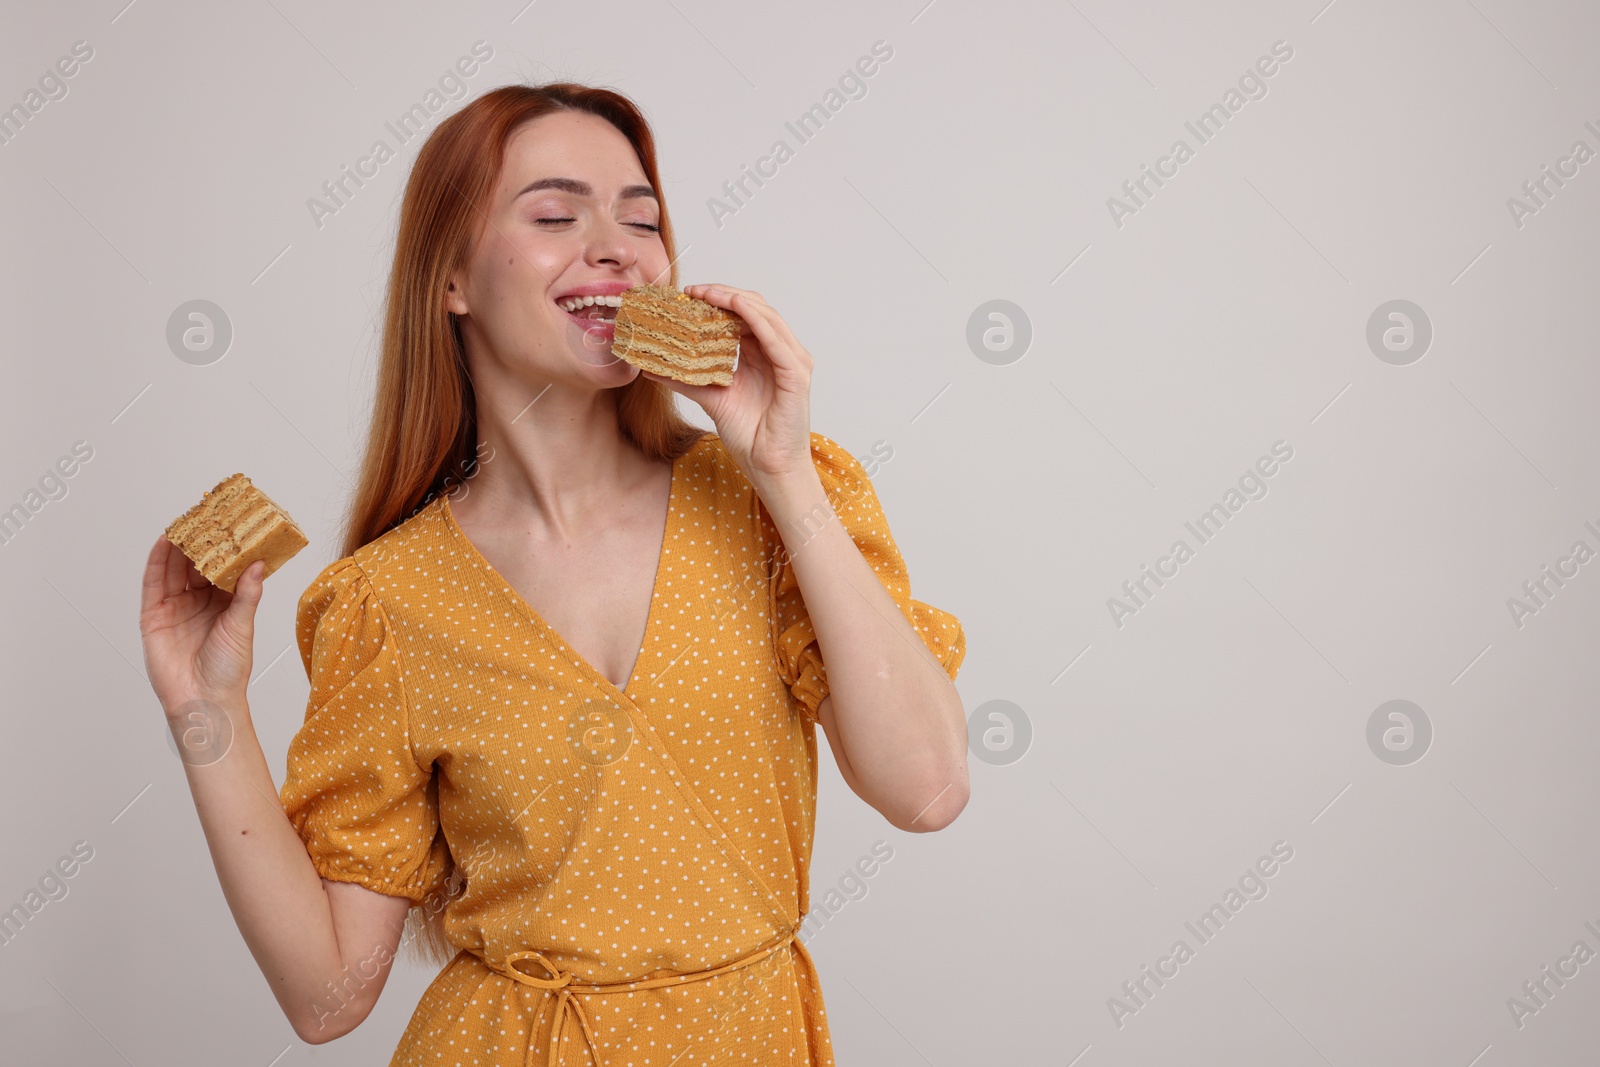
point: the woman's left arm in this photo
(893, 717)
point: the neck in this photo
(550, 454)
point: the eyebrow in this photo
(582, 188)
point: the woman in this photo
(566, 678)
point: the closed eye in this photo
(644, 225)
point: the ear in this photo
(454, 299)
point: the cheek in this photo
(508, 298)
(514, 279)
(654, 262)
(530, 266)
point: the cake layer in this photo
(277, 545)
(665, 331)
(231, 527)
(713, 376)
(641, 343)
(204, 518)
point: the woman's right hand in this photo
(198, 639)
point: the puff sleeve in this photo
(367, 812)
(850, 491)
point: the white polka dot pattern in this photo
(624, 835)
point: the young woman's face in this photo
(572, 213)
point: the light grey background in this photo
(1168, 353)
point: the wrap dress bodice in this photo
(626, 869)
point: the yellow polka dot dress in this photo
(631, 865)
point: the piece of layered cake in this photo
(234, 525)
(668, 332)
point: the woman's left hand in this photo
(764, 417)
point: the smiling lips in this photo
(592, 308)
(596, 315)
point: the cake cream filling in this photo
(604, 309)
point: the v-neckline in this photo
(553, 635)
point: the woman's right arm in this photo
(325, 947)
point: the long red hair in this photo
(424, 422)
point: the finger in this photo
(720, 295)
(241, 610)
(748, 305)
(191, 574)
(153, 588)
(770, 330)
(177, 566)
(723, 296)
(782, 326)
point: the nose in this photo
(610, 245)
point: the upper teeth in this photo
(573, 303)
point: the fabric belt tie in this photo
(569, 991)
